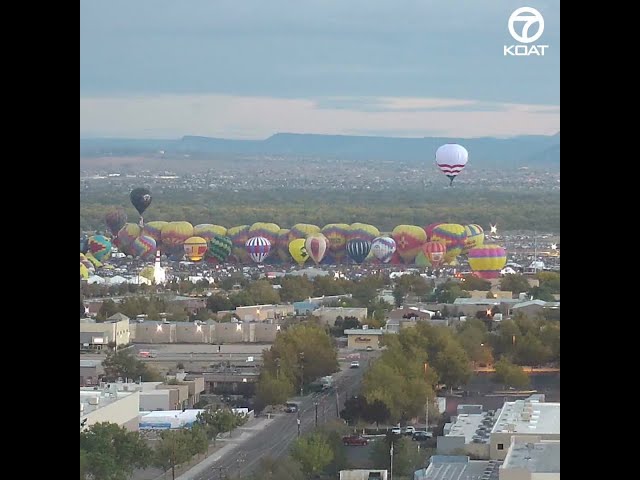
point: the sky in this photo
(251, 68)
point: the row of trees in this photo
(123, 364)
(110, 452)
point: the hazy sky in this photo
(251, 68)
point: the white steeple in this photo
(158, 272)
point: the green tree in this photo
(531, 351)
(471, 282)
(110, 452)
(406, 456)
(174, 448)
(296, 289)
(263, 293)
(542, 293)
(218, 420)
(473, 337)
(273, 390)
(377, 412)
(549, 281)
(199, 439)
(107, 309)
(354, 409)
(399, 293)
(122, 364)
(510, 375)
(514, 283)
(452, 365)
(218, 302)
(313, 452)
(278, 469)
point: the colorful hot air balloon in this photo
(208, 231)
(219, 249)
(409, 239)
(99, 248)
(282, 245)
(316, 246)
(358, 250)
(265, 230)
(115, 220)
(337, 236)
(429, 229)
(475, 237)
(298, 251)
(84, 273)
(95, 262)
(487, 261)
(140, 199)
(258, 248)
(154, 230)
(452, 236)
(195, 248)
(451, 160)
(363, 231)
(383, 248)
(127, 235)
(173, 236)
(144, 247)
(302, 230)
(434, 251)
(239, 236)
(422, 260)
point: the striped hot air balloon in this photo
(195, 248)
(429, 229)
(451, 159)
(208, 231)
(337, 236)
(302, 230)
(265, 230)
(383, 248)
(174, 234)
(154, 230)
(219, 249)
(363, 231)
(409, 239)
(127, 235)
(258, 248)
(475, 237)
(434, 251)
(144, 247)
(239, 236)
(282, 245)
(487, 261)
(316, 246)
(99, 248)
(452, 236)
(358, 250)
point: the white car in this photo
(355, 365)
(409, 430)
(396, 431)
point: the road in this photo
(276, 438)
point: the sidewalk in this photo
(230, 443)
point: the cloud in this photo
(228, 116)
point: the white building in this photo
(531, 458)
(531, 417)
(469, 431)
(456, 467)
(109, 405)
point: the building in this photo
(261, 313)
(364, 474)
(194, 332)
(90, 371)
(531, 417)
(98, 335)
(533, 308)
(454, 467)
(361, 338)
(108, 404)
(328, 315)
(469, 432)
(305, 308)
(497, 294)
(531, 458)
(155, 332)
(200, 332)
(406, 313)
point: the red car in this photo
(355, 440)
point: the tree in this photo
(542, 293)
(406, 456)
(263, 293)
(295, 289)
(514, 283)
(313, 453)
(510, 375)
(122, 364)
(354, 409)
(218, 420)
(452, 365)
(531, 351)
(399, 292)
(549, 281)
(174, 448)
(110, 452)
(217, 303)
(472, 282)
(376, 412)
(273, 390)
(278, 469)
(199, 439)
(107, 309)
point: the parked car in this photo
(409, 430)
(354, 440)
(421, 436)
(369, 348)
(355, 365)
(396, 431)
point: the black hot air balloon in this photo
(140, 199)
(358, 250)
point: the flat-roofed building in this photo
(97, 335)
(469, 432)
(531, 458)
(361, 338)
(109, 405)
(458, 467)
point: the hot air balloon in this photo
(144, 247)
(219, 249)
(429, 229)
(115, 220)
(363, 231)
(258, 248)
(337, 237)
(409, 239)
(302, 230)
(99, 248)
(383, 248)
(94, 261)
(475, 237)
(487, 261)
(239, 236)
(298, 251)
(452, 236)
(265, 230)
(154, 230)
(434, 251)
(195, 248)
(208, 231)
(127, 235)
(451, 159)
(316, 247)
(422, 260)
(140, 199)
(358, 250)
(173, 236)
(84, 273)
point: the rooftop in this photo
(540, 457)
(451, 467)
(90, 363)
(540, 303)
(474, 427)
(92, 400)
(529, 417)
(363, 331)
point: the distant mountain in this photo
(533, 150)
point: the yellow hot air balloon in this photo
(195, 248)
(363, 231)
(265, 230)
(154, 230)
(239, 236)
(208, 231)
(487, 261)
(452, 236)
(337, 237)
(409, 240)
(298, 251)
(84, 272)
(475, 237)
(302, 230)
(174, 234)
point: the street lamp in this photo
(277, 368)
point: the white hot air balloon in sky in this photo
(451, 158)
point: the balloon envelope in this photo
(298, 251)
(358, 250)
(409, 239)
(154, 230)
(451, 159)
(452, 236)
(487, 261)
(434, 252)
(475, 237)
(337, 236)
(140, 199)
(99, 248)
(144, 247)
(219, 248)
(383, 248)
(208, 230)
(195, 248)
(316, 246)
(173, 236)
(258, 248)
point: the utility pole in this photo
(337, 404)
(316, 405)
(301, 374)
(298, 422)
(426, 415)
(391, 464)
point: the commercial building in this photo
(208, 333)
(261, 313)
(90, 371)
(328, 315)
(361, 338)
(109, 405)
(531, 458)
(532, 417)
(98, 335)
(469, 432)
(364, 474)
(455, 467)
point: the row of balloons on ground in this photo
(435, 245)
